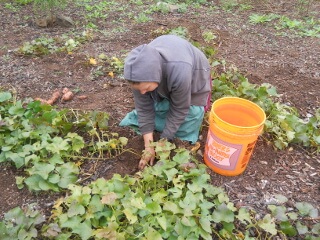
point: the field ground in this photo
(287, 61)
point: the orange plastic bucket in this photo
(234, 126)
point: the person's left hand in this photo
(148, 155)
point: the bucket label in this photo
(222, 154)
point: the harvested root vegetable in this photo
(55, 96)
(43, 101)
(67, 96)
(65, 90)
(82, 97)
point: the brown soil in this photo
(290, 63)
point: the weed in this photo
(44, 45)
(117, 64)
(142, 18)
(6, 57)
(49, 7)
(179, 31)
(23, 2)
(208, 36)
(244, 7)
(161, 7)
(229, 5)
(262, 18)
(11, 7)
(303, 7)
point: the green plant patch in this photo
(46, 143)
(283, 125)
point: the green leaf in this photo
(188, 221)
(5, 96)
(54, 178)
(162, 220)
(82, 228)
(222, 214)
(99, 186)
(170, 174)
(33, 182)
(45, 186)
(68, 174)
(77, 141)
(16, 158)
(229, 227)
(15, 214)
(306, 209)
(138, 203)
(182, 230)
(302, 229)
(58, 145)
(130, 215)
(244, 215)
(272, 91)
(279, 212)
(3, 232)
(280, 198)
(178, 182)
(212, 191)
(290, 135)
(69, 222)
(316, 229)
(154, 207)
(268, 224)
(176, 192)
(19, 182)
(182, 156)
(95, 204)
(75, 209)
(189, 202)
(42, 169)
(31, 158)
(288, 229)
(6, 148)
(159, 196)
(17, 109)
(123, 141)
(172, 207)
(205, 223)
(223, 197)
(293, 215)
(30, 234)
(153, 234)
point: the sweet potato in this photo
(55, 96)
(65, 90)
(43, 101)
(67, 96)
(82, 97)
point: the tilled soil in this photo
(289, 62)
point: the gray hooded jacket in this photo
(183, 74)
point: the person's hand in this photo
(148, 155)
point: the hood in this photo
(143, 64)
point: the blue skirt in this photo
(189, 129)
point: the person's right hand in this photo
(148, 155)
